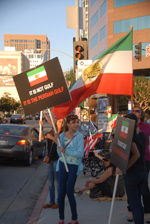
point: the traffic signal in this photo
(138, 51)
(79, 52)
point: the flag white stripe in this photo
(41, 74)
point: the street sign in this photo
(148, 50)
(42, 87)
(83, 64)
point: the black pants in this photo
(105, 188)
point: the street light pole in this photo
(54, 50)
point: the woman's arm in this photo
(48, 119)
(97, 155)
(42, 136)
(101, 178)
(135, 155)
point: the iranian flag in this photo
(112, 120)
(110, 73)
(37, 76)
(124, 129)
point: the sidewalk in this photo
(89, 211)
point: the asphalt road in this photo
(21, 186)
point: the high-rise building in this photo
(22, 42)
(110, 20)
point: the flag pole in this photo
(40, 127)
(113, 199)
(131, 27)
(58, 140)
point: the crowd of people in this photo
(71, 149)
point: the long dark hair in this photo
(52, 132)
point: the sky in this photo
(44, 17)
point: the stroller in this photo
(93, 164)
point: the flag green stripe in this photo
(113, 117)
(125, 123)
(124, 44)
(35, 71)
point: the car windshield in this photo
(16, 115)
(13, 130)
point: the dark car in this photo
(18, 119)
(37, 116)
(20, 142)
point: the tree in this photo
(71, 76)
(8, 103)
(141, 95)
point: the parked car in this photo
(20, 142)
(37, 116)
(18, 118)
(29, 117)
(3, 119)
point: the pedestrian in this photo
(72, 145)
(53, 157)
(104, 183)
(136, 172)
(144, 127)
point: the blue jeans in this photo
(134, 183)
(67, 182)
(53, 178)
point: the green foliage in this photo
(70, 76)
(141, 95)
(8, 103)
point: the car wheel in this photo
(43, 153)
(28, 162)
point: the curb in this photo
(33, 219)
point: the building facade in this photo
(110, 20)
(11, 64)
(34, 58)
(22, 42)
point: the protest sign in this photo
(122, 143)
(42, 87)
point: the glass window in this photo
(16, 41)
(94, 41)
(102, 33)
(20, 41)
(86, 2)
(94, 19)
(86, 9)
(92, 2)
(134, 23)
(33, 41)
(83, 4)
(138, 23)
(119, 3)
(94, 58)
(103, 9)
(11, 40)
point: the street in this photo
(21, 186)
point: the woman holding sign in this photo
(51, 159)
(72, 145)
(136, 172)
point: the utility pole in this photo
(77, 19)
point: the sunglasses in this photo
(136, 111)
(106, 160)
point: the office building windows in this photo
(103, 9)
(102, 33)
(11, 40)
(120, 3)
(94, 41)
(138, 23)
(92, 2)
(94, 19)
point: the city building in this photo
(22, 42)
(110, 20)
(34, 58)
(11, 63)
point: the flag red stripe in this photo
(39, 80)
(110, 83)
(123, 134)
